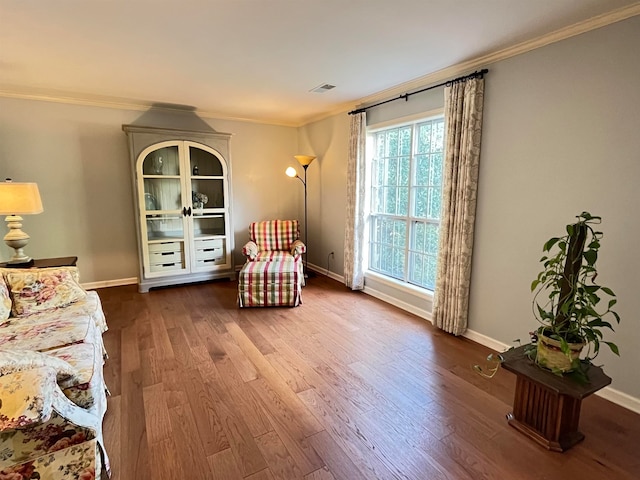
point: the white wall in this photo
(560, 136)
(78, 156)
(327, 189)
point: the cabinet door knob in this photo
(184, 211)
(189, 211)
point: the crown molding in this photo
(25, 93)
(593, 23)
(118, 103)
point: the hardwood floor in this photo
(344, 387)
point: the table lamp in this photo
(18, 199)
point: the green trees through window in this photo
(406, 195)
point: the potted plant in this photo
(572, 308)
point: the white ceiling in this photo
(257, 59)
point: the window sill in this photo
(401, 286)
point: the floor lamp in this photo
(305, 161)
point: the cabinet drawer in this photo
(209, 243)
(209, 262)
(157, 258)
(166, 267)
(210, 249)
(209, 253)
(165, 247)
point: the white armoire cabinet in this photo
(182, 192)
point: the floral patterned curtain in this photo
(463, 128)
(356, 190)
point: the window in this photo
(406, 192)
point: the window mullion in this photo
(409, 217)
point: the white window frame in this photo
(403, 285)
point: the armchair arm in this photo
(298, 248)
(250, 250)
(27, 397)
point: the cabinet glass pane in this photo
(162, 194)
(164, 161)
(208, 225)
(204, 163)
(161, 227)
(207, 192)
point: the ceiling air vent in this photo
(325, 87)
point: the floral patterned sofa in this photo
(273, 274)
(52, 392)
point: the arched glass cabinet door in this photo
(209, 193)
(161, 204)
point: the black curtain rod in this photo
(405, 97)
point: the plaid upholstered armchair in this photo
(273, 273)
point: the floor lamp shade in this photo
(18, 199)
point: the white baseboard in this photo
(486, 341)
(620, 398)
(110, 283)
(616, 396)
(325, 272)
(420, 312)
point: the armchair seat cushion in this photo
(270, 283)
(273, 255)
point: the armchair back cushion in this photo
(274, 234)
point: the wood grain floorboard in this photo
(344, 387)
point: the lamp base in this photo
(19, 263)
(17, 239)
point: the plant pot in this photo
(550, 355)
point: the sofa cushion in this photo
(37, 290)
(51, 335)
(5, 301)
(17, 360)
(89, 306)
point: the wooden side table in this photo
(46, 263)
(546, 407)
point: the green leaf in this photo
(590, 256)
(617, 316)
(598, 322)
(534, 284)
(550, 243)
(612, 302)
(608, 291)
(613, 347)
